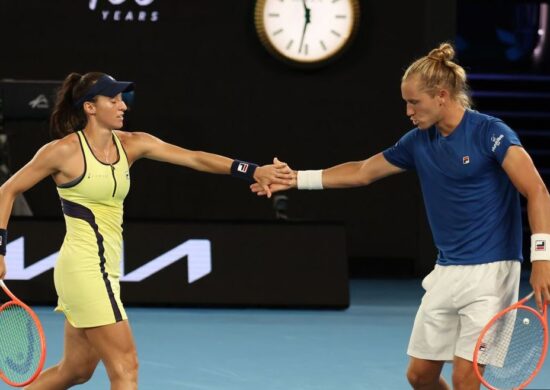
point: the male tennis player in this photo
(471, 167)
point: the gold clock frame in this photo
(264, 39)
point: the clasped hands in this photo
(273, 178)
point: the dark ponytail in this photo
(66, 118)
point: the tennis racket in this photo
(22, 342)
(511, 348)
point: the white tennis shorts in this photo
(458, 303)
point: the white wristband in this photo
(310, 180)
(540, 247)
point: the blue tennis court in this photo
(363, 347)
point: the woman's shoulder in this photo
(65, 146)
(70, 141)
(59, 151)
(130, 135)
(135, 143)
(133, 137)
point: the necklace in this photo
(106, 154)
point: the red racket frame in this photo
(518, 305)
(17, 302)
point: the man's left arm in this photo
(525, 177)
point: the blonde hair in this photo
(437, 70)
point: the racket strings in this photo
(511, 349)
(20, 344)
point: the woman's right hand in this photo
(281, 185)
(275, 175)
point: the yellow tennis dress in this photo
(87, 271)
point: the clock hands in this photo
(306, 23)
(306, 32)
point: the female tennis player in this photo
(471, 167)
(90, 163)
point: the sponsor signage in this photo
(27, 99)
(125, 10)
(182, 263)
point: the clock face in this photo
(306, 31)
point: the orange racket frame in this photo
(16, 301)
(518, 305)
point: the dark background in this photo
(205, 82)
(501, 36)
(250, 265)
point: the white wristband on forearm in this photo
(310, 180)
(540, 246)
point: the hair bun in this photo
(445, 52)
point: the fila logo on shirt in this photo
(466, 160)
(540, 245)
(242, 167)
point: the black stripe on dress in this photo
(76, 210)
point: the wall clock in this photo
(306, 32)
